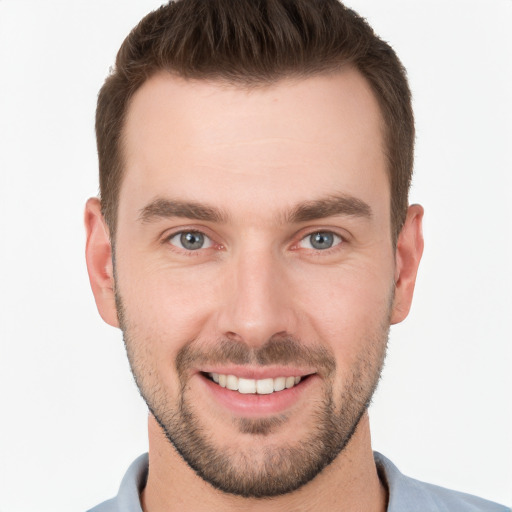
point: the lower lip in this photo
(254, 405)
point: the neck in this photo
(349, 483)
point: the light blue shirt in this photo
(405, 494)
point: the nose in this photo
(258, 301)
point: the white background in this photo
(71, 418)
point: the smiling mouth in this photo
(254, 386)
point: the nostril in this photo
(233, 336)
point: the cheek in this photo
(347, 308)
(341, 306)
(165, 304)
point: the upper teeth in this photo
(260, 386)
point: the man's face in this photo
(253, 246)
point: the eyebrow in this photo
(162, 208)
(339, 205)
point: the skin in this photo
(254, 156)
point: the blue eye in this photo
(320, 241)
(190, 240)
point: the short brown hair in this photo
(255, 42)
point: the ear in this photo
(98, 253)
(407, 259)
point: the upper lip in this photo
(246, 372)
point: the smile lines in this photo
(254, 386)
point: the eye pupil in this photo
(192, 240)
(322, 240)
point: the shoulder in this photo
(128, 497)
(407, 494)
(106, 506)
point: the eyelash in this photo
(338, 240)
(191, 252)
(341, 240)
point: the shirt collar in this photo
(404, 493)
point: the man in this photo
(254, 243)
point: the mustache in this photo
(283, 350)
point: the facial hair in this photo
(264, 470)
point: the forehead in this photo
(282, 143)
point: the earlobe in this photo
(98, 254)
(408, 255)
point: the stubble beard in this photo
(264, 470)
